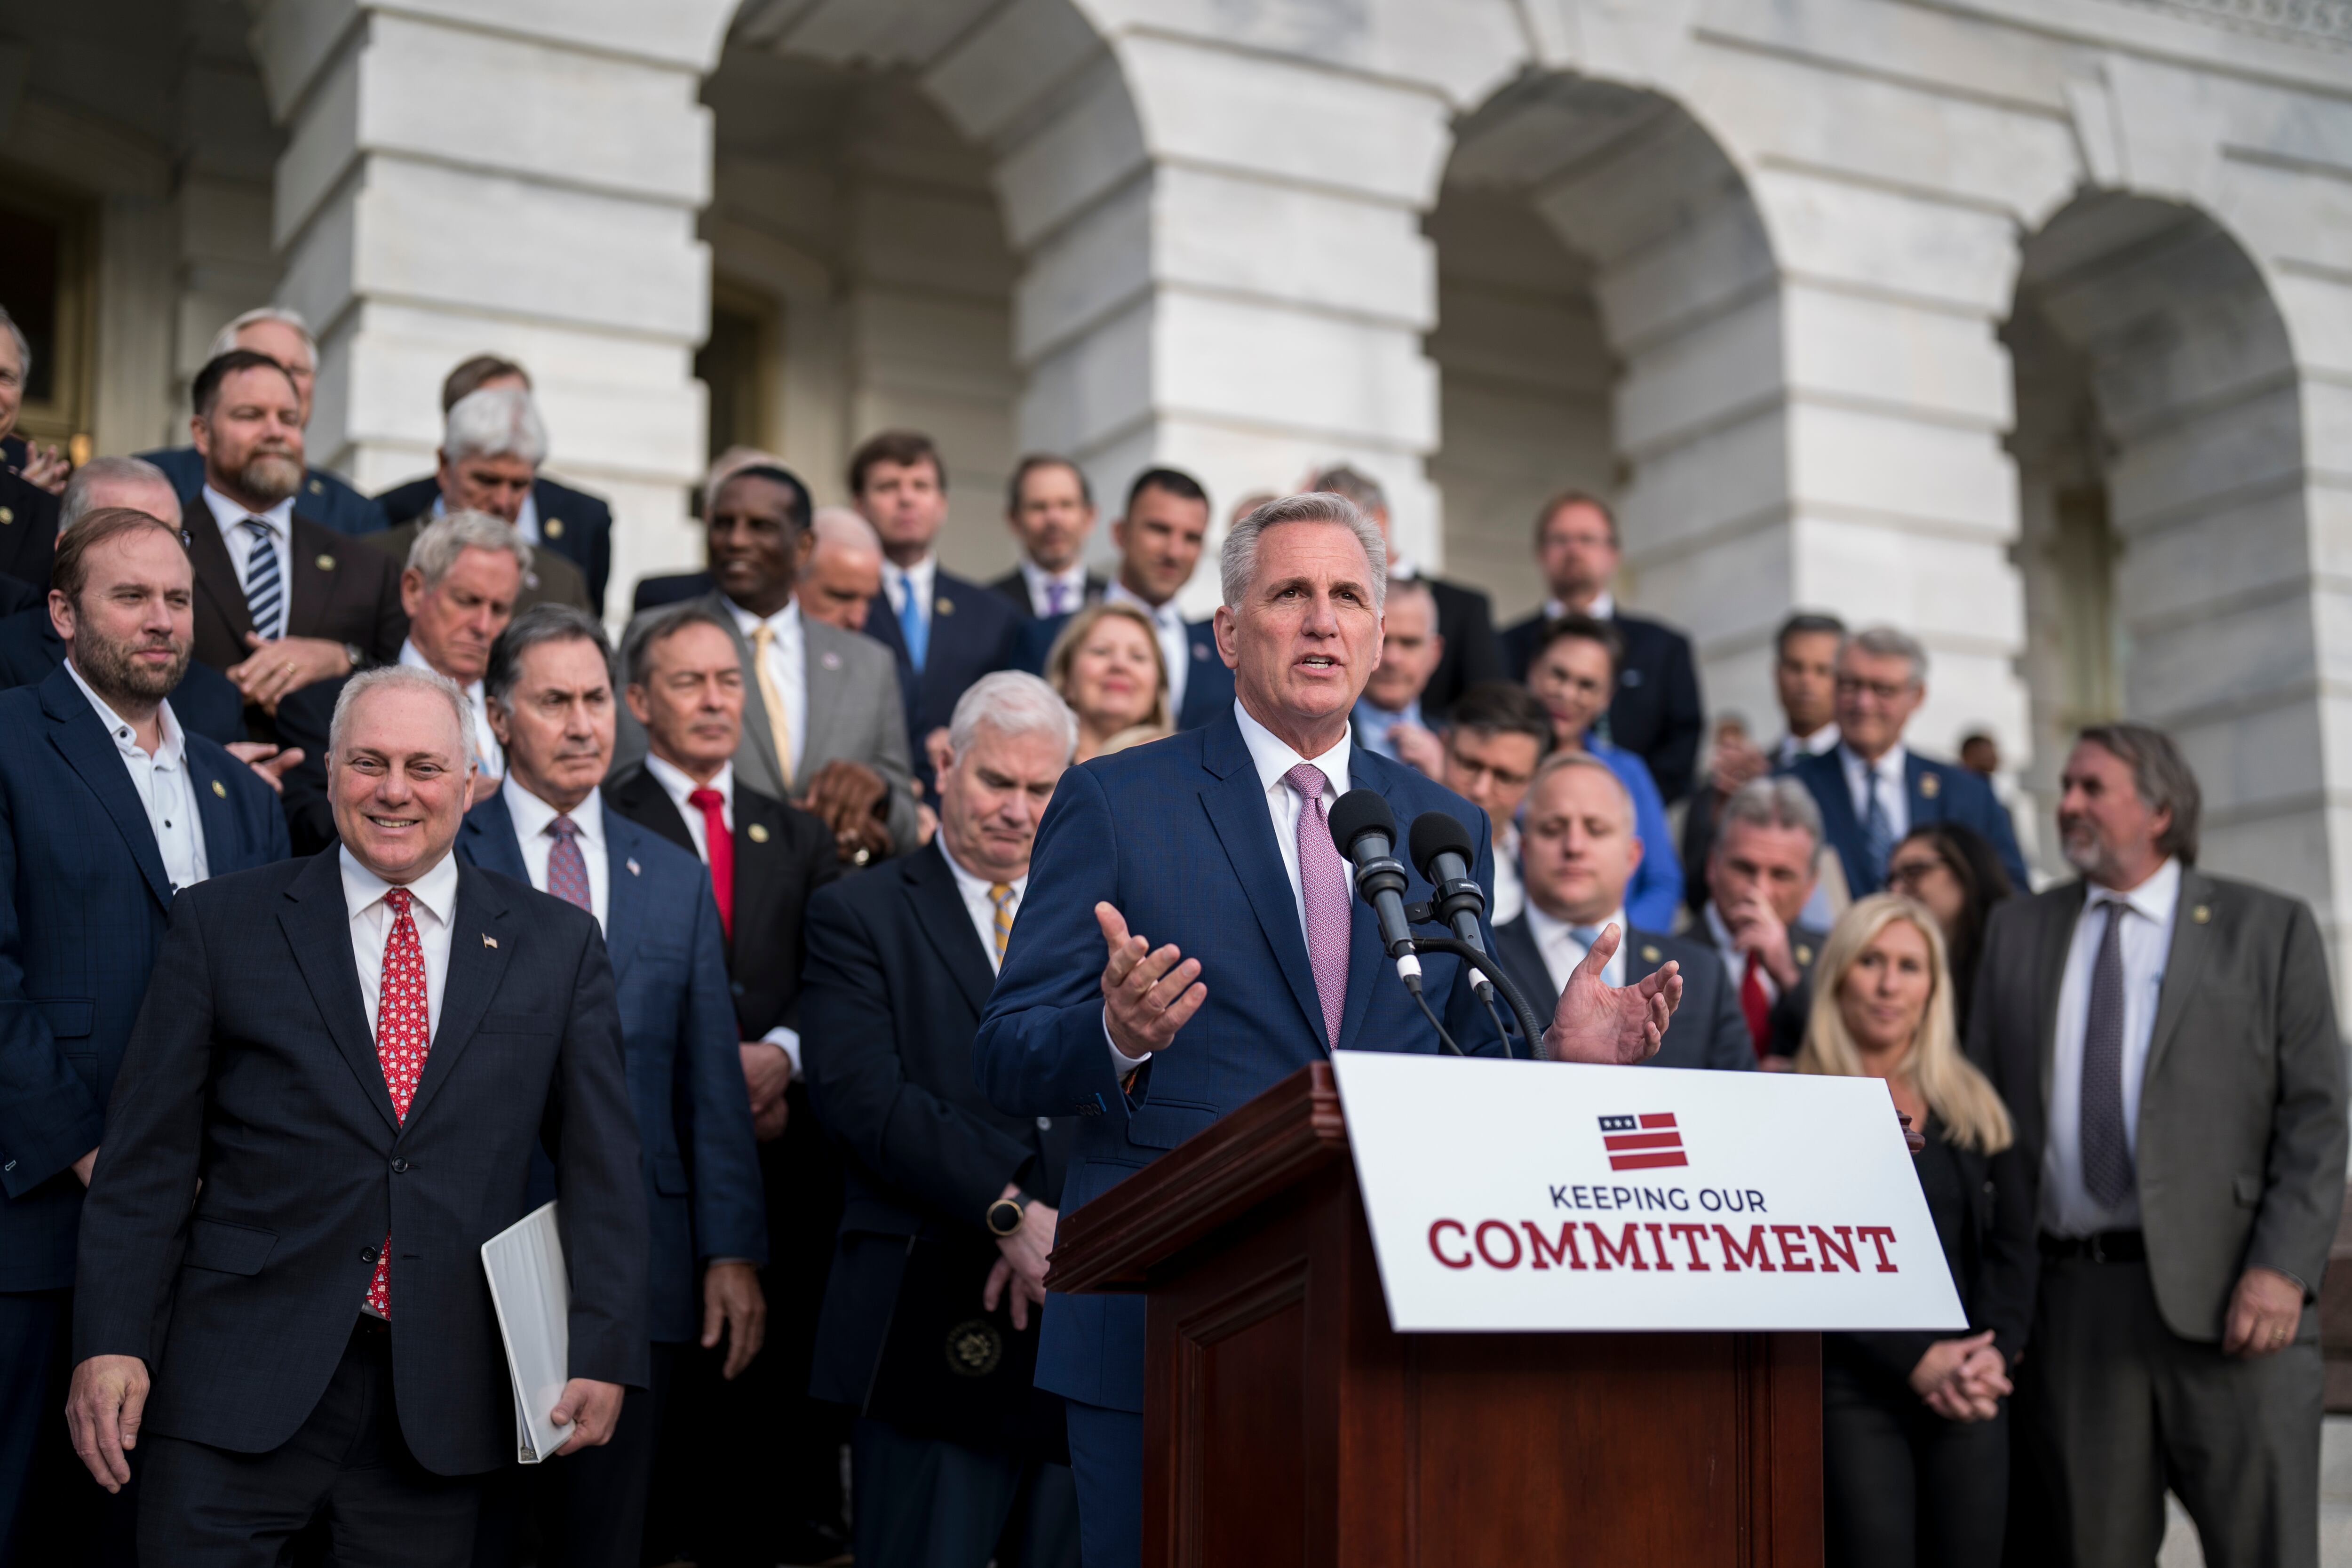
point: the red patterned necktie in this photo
(1755, 1005)
(1323, 892)
(722, 854)
(567, 869)
(403, 1037)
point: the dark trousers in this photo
(1106, 1459)
(52, 1514)
(1903, 1486)
(585, 1509)
(2121, 1407)
(925, 1502)
(211, 1508)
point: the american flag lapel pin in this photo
(633, 869)
(489, 941)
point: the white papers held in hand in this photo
(532, 1295)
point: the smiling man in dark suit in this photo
(108, 807)
(550, 689)
(346, 1064)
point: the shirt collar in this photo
(679, 784)
(228, 514)
(1717, 929)
(1547, 927)
(1888, 767)
(1371, 712)
(414, 657)
(1820, 740)
(531, 815)
(170, 742)
(1274, 758)
(974, 887)
(1163, 614)
(784, 622)
(2157, 898)
(1074, 575)
(436, 890)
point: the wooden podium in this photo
(1286, 1424)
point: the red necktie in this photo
(1757, 1005)
(722, 854)
(403, 1037)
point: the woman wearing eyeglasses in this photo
(1953, 870)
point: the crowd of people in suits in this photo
(359, 894)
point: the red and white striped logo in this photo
(1643, 1142)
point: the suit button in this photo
(400, 1167)
(1044, 1124)
(735, 986)
(367, 1255)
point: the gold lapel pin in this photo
(489, 941)
(326, 564)
(220, 789)
(7, 514)
(633, 869)
(1931, 785)
(318, 487)
(1650, 955)
(1804, 954)
(2202, 914)
(553, 528)
(759, 832)
(944, 607)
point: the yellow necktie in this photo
(772, 698)
(1001, 893)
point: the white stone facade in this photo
(2026, 324)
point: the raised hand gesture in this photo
(1616, 1026)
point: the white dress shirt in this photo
(1274, 759)
(1556, 940)
(2067, 1206)
(1175, 642)
(433, 906)
(787, 661)
(981, 905)
(1788, 748)
(922, 577)
(1885, 775)
(526, 521)
(1510, 893)
(1718, 931)
(531, 816)
(1603, 608)
(231, 518)
(488, 755)
(166, 787)
(1073, 580)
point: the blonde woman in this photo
(1108, 667)
(1914, 1439)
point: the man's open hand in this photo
(591, 1409)
(1147, 995)
(102, 1411)
(1616, 1026)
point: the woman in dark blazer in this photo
(1915, 1434)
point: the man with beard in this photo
(281, 600)
(108, 807)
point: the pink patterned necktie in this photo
(403, 1037)
(1323, 891)
(567, 869)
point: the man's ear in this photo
(61, 614)
(942, 754)
(1228, 638)
(411, 591)
(639, 710)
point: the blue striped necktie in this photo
(265, 589)
(912, 626)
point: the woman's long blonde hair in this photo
(1959, 1096)
(1065, 652)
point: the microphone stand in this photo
(1493, 970)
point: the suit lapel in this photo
(80, 735)
(624, 889)
(312, 584)
(317, 927)
(755, 754)
(224, 844)
(2050, 980)
(2184, 965)
(1837, 811)
(475, 969)
(221, 598)
(1924, 788)
(759, 865)
(487, 838)
(1236, 808)
(823, 674)
(942, 916)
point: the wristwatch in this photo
(1004, 1214)
(359, 659)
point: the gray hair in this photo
(1340, 480)
(637, 642)
(1561, 762)
(1012, 702)
(76, 503)
(496, 422)
(405, 675)
(1885, 642)
(843, 526)
(225, 338)
(540, 624)
(2161, 776)
(439, 543)
(24, 343)
(1781, 803)
(1237, 561)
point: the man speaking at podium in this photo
(1258, 958)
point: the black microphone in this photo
(1364, 829)
(1442, 850)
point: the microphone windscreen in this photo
(1435, 832)
(1357, 812)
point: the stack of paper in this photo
(532, 1295)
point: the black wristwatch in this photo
(1004, 1214)
(358, 656)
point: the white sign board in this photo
(1525, 1196)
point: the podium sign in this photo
(1532, 1196)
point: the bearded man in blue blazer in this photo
(1217, 842)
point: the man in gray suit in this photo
(2167, 1043)
(831, 695)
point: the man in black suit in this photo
(349, 1062)
(945, 632)
(571, 523)
(28, 511)
(1578, 853)
(282, 602)
(945, 1191)
(1759, 874)
(108, 806)
(750, 1469)
(1050, 507)
(1466, 617)
(1657, 711)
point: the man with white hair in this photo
(844, 571)
(1218, 843)
(284, 336)
(489, 463)
(951, 1201)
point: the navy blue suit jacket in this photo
(253, 1070)
(204, 702)
(677, 1031)
(1208, 683)
(1707, 1030)
(974, 632)
(1938, 792)
(83, 903)
(1177, 835)
(326, 499)
(573, 523)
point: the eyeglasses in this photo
(1910, 873)
(1884, 690)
